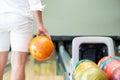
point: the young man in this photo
(16, 19)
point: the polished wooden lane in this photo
(39, 70)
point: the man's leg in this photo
(3, 61)
(4, 49)
(20, 38)
(18, 60)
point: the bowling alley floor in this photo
(39, 70)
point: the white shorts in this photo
(15, 32)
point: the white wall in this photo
(82, 17)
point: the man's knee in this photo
(17, 66)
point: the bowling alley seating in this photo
(93, 48)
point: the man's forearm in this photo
(38, 17)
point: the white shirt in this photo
(21, 7)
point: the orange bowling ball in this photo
(41, 47)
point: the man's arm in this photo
(40, 25)
(36, 7)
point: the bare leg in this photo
(3, 61)
(18, 61)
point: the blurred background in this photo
(65, 20)
(82, 17)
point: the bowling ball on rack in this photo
(111, 67)
(41, 47)
(77, 64)
(92, 74)
(88, 70)
(115, 74)
(103, 59)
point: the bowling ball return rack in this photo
(86, 47)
